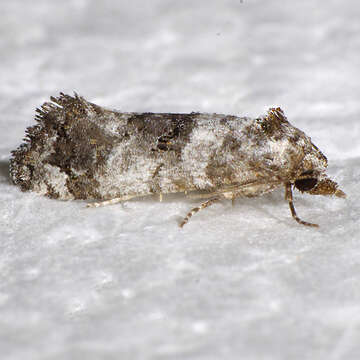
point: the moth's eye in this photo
(305, 184)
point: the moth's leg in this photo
(160, 197)
(289, 198)
(111, 201)
(198, 208)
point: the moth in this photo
(79, 150)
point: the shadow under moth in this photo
(79, 150)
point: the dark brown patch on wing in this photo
(166, 131)
(78, 145)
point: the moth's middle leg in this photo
(198, 208)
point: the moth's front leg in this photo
(289, 198)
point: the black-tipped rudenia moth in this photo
(79, 150)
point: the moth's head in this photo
(318, 184)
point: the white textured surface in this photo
(243, 282)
